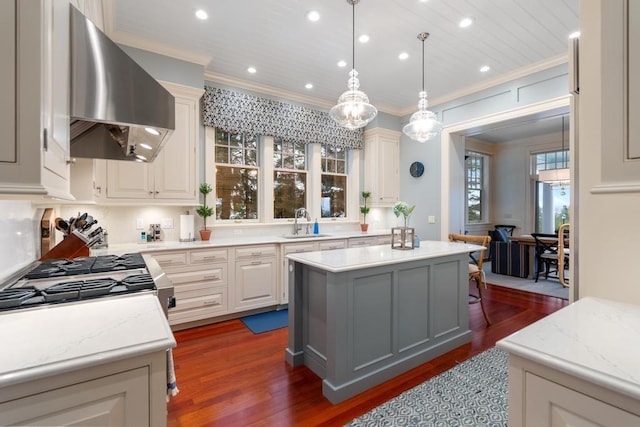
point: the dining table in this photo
(527, 239)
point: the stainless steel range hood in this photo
(118, 111)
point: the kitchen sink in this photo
(303, 236)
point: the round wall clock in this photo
(416, 169)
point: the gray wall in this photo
(425, 192)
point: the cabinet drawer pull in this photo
(256, 262)
(212, 277)
(256, 253)
(300, 250)
(209, 257)
(211, 302)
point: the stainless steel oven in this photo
(81, 280)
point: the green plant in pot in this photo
(205, 211)
(364, 210)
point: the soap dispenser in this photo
(316, 227)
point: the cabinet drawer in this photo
(171, 259)
(214, 276)
(256, 252)
(384, 240)
(360, 242)
(333, 244)
(200, 307)
(203, 257)
(298, 248)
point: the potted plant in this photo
(403, 237)
(205, 211)
(364, 210)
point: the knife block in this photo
(71, 247)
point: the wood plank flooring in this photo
(228, 376)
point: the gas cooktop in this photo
(73, 280)
(85, 265)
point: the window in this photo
(552, 197)
(236, 176)
(475, 170)
(289, 178)
(334, 182)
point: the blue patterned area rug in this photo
(474, 393)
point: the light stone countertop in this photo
(594, 339)
(60, 338)
(339, 260)
(244, 240)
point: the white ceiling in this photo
(289, 51)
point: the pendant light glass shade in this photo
(353, 110)
(424, 124)
(558, 175)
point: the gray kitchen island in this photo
(360, 316)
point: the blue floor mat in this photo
(264, 322)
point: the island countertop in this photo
(340, 260)
(594, 339)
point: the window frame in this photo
(484, 187)
(304, 171)
(353, 162)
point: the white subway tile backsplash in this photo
(19, 235)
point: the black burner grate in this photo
(15, 297)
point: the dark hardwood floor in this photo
(228, 376)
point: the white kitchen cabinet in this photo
(200, 279)
(120, 399)
(35, 105)
(381, 163)
(540, 396)
(256, 271)
(171, 178)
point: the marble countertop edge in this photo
(597, 377)
(87, 361)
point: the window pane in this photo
(340, 166)
(474, 203)
(251, 158)
(289, 193)
(237, 157)
(236, 193)
(475, 179)
(222, 154)
(334, 196)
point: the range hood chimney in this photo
(118, 111)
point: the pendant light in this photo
(353, 110)
(557, 175)
(424, 124)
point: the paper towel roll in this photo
(187, 233)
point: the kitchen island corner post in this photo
(294, 354)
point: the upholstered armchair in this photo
(507, 257)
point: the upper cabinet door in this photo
(381, 166)
(8, 81)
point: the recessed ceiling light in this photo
(342, 63)
(484, 68)
(141, 158)
(403, 55)
(363, 38)
(309, 86)
(201, 14)
(313, 16)
(252, 70)
(145, 146)
(152, 131)
(464, 23)
(574, 35)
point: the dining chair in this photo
(475, 266)
(547, 254)
(563, 253)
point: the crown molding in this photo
(498, 80)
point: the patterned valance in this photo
(239, 112)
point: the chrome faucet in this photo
(306, 214)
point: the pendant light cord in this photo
(423, 64)
(353, 35)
